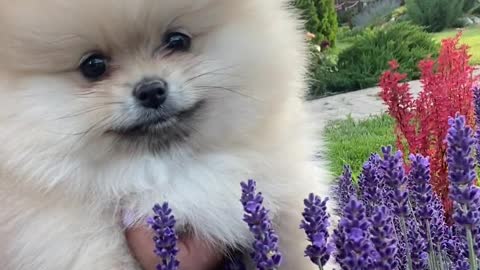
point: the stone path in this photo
(359, 104)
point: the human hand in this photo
(193, 253)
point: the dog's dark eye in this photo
(94, 66)
(178, 41)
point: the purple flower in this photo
(395, 180)
(422, 190)
(382, 234)
(265, 247)
(461, 265)
(418, 246)
(439, 228)
(429, 210)
(344, 189)
(339, 240)
(163, 224)
(456, 248)
(396, 188)
(356, 251)
(315, 224)
(401, 258)
(476, 99)
(461, 174)
(370, 184)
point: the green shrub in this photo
(324, 75)
(347, 34)
(344, 32)
(368, 57)
(360, 65)
(309, 14)
(320, 19)
(327, 15)
(435, 15)
(399, 12)
(328, 81)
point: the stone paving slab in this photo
(358, 104)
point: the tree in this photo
(309, 14)
(327, 15)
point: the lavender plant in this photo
(345, 190)
(315, 224)
(382, 235)
(392, 220)
(476, 98)
(163, 224)
(265, 246)
(428, 210)
(396, 191)
(353, 238)
(461, 175)
(422, 240)
(371, 185)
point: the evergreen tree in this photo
(309, 14)
(327, 15)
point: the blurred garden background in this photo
(352, 43)
(353, 40)
(391, 72)
(395, 73)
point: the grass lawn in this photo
(470, 36)
(351, 142)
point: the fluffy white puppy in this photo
(119, 104)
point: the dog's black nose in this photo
(151, 93)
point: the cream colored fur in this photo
(64, 180)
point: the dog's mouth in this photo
(158, 122)
(159, 128)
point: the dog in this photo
(113, 105)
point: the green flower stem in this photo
(320, 267)
(403, 227)
(471, 251)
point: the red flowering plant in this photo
(422, 122)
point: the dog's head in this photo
(91, 79)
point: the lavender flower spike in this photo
(424, 199)
(418, 244)
(265, 247)
(163, 224)
(429, 211)
(422, 190)
(370, 184)
(315, 224)
(461, 174)
(395, 180)
(355, 250)
(382, 234)
(396, 183)
(344, 189)
(476, 101)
